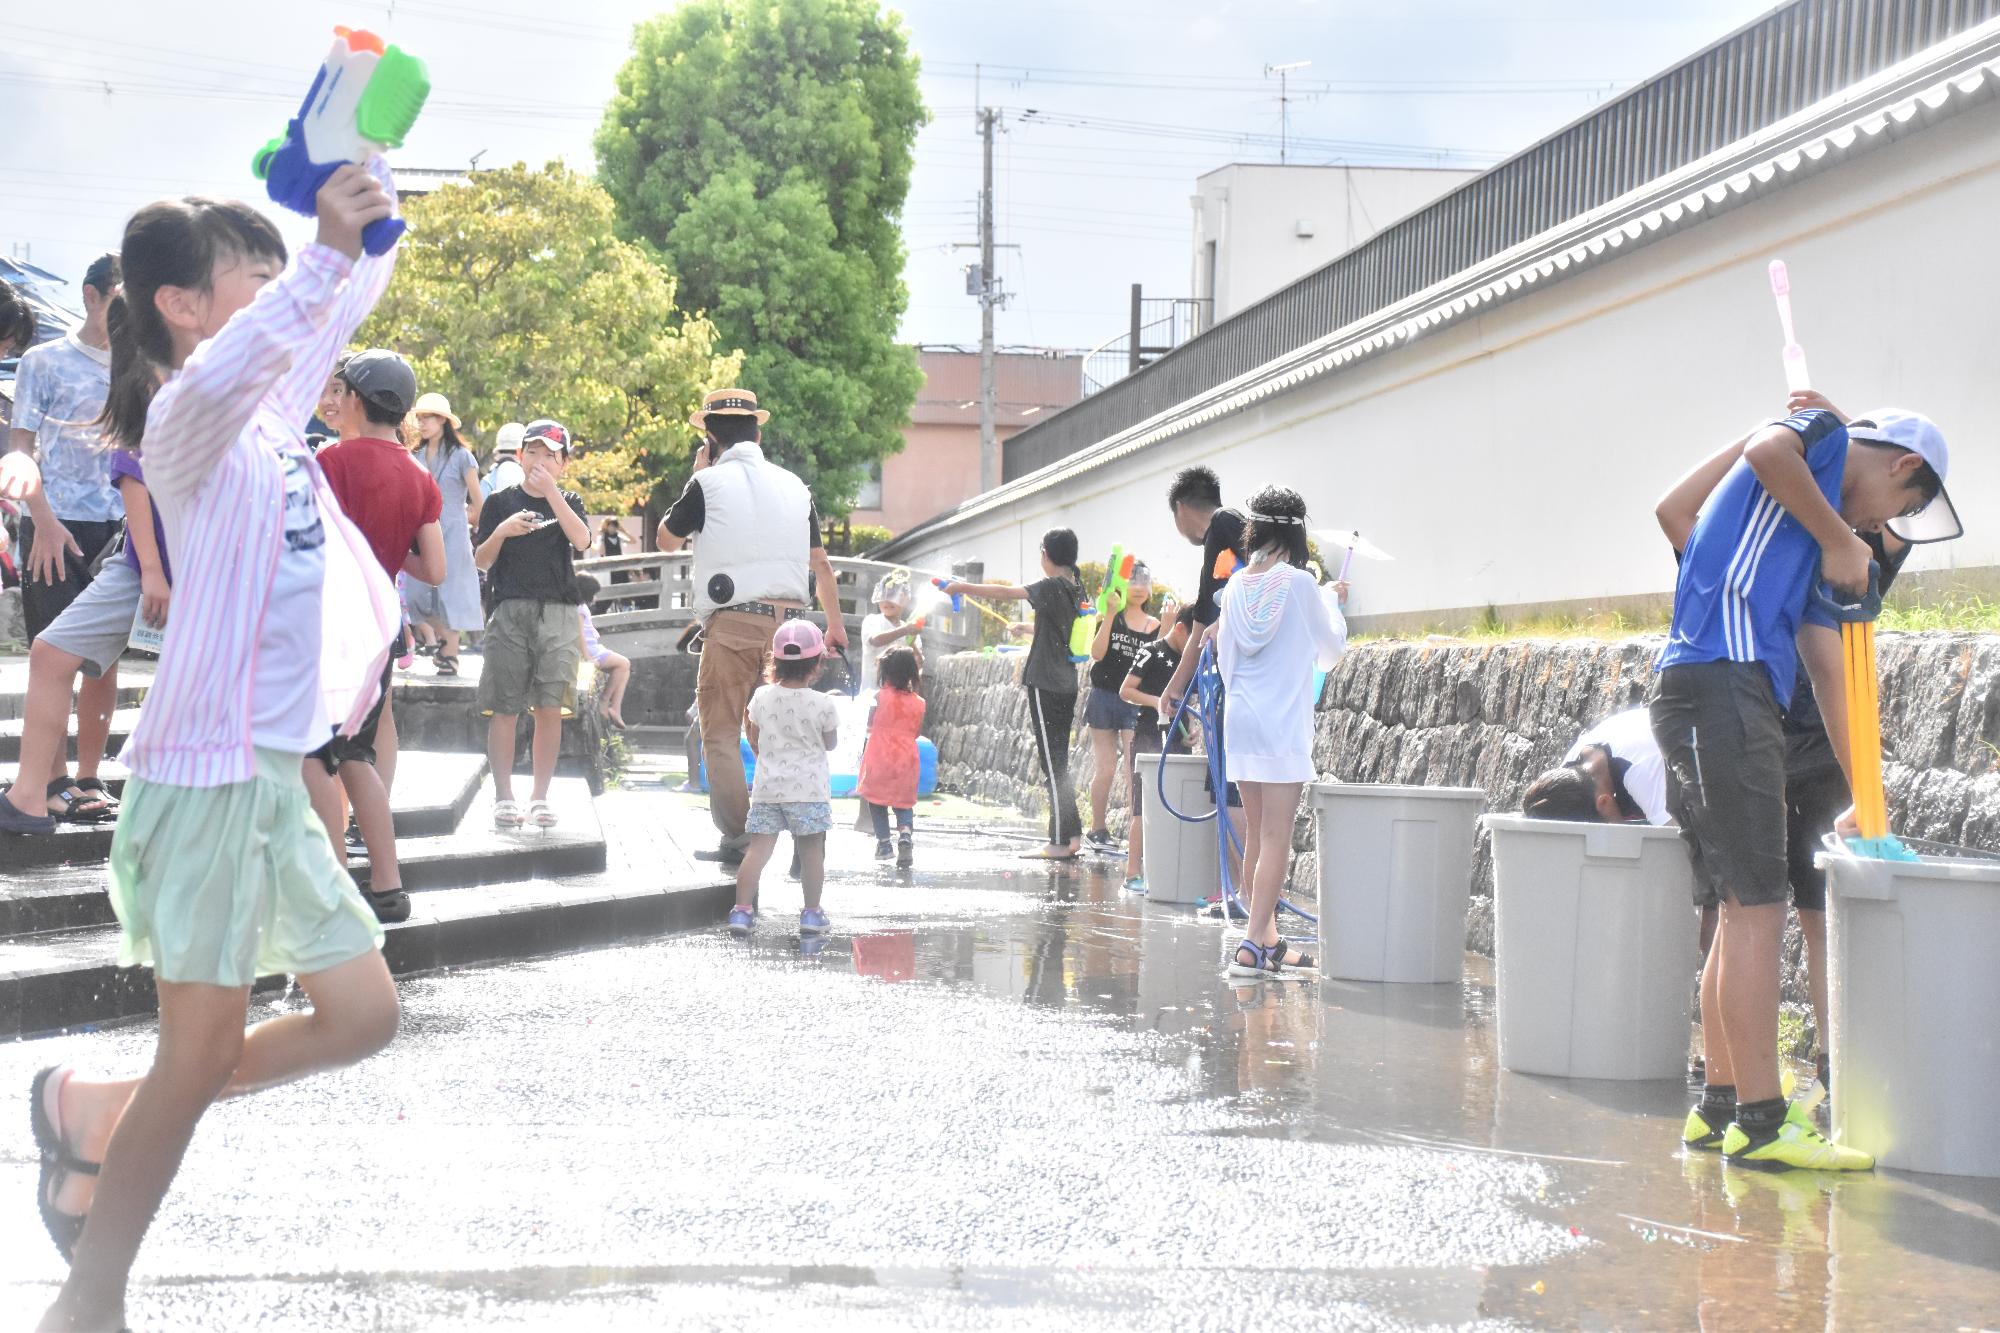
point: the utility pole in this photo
(1284, 101)
(989, 445)
(980, 281)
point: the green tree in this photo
(516, 298)
(765, 147)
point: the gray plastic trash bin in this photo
(1913, 987)
(1180, 856)
(1594, 948)
(1395, 878)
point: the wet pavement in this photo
(999, 1097)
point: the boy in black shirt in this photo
(1196, 500)
(1152, 668)
(528, 539)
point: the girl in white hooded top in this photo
(1276, 624)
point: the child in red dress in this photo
(889, 762)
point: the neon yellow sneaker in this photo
(1697, 1135)
(1799, 1145)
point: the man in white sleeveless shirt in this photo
(758, 558)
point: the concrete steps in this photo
(478, 893)
(71, 978)
(433, 792)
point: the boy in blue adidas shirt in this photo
(1786, 513)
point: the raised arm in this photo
(991, 592)
(197, 416)
(298, 392)
(1680, 507)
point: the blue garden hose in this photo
(1208, 689)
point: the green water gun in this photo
(1116, 570)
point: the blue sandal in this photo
(1268, 960)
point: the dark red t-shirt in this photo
(387, 493)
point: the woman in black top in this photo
(1050, 677)
(1119, 638)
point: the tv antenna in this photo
(1284, 73)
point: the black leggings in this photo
(1050, 714)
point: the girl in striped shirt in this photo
(220, 872)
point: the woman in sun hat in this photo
(452, 606)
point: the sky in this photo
(105, 104)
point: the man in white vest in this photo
(758, 558)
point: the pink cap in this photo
(797, 639)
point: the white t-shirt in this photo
(59, 390)
(793, 725)
(287, 712)
(1628, 738)
(872, 624)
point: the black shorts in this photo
(1813, 800)
(1722, 735)
(360, 747)
(42, 602)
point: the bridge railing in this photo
(646, 614)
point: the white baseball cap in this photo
(507, 440)
(1937, 521)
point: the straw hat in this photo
(438, 406)
(727, 403)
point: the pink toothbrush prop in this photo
(1796, 379)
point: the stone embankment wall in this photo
(1493, 715)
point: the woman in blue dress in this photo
(452, 606)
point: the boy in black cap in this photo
(527, 541)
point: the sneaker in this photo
(1135, 884)
(1100, 838)
(813, 921)
(741, 919)
(884, 849)
(1700, 1136)
(905, 853)
(355, 842)
(1796, 1145)
(727, 854)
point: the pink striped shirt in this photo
(217, 435)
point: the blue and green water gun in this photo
(363, 100)
(1117, 580)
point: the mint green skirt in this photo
(222, 885)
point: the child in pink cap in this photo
(791, 727)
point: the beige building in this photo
(1258, 226)
(938, 468)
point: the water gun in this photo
(1796, 378)
(364, 99)
(1117, 579)
(1864, 715)
(957, 598)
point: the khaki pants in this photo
(735, 647)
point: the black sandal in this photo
(81, 807)
(446, 664)
(58, 1162)
(96, 786)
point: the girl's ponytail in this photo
(135, 377)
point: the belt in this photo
(766, 609)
